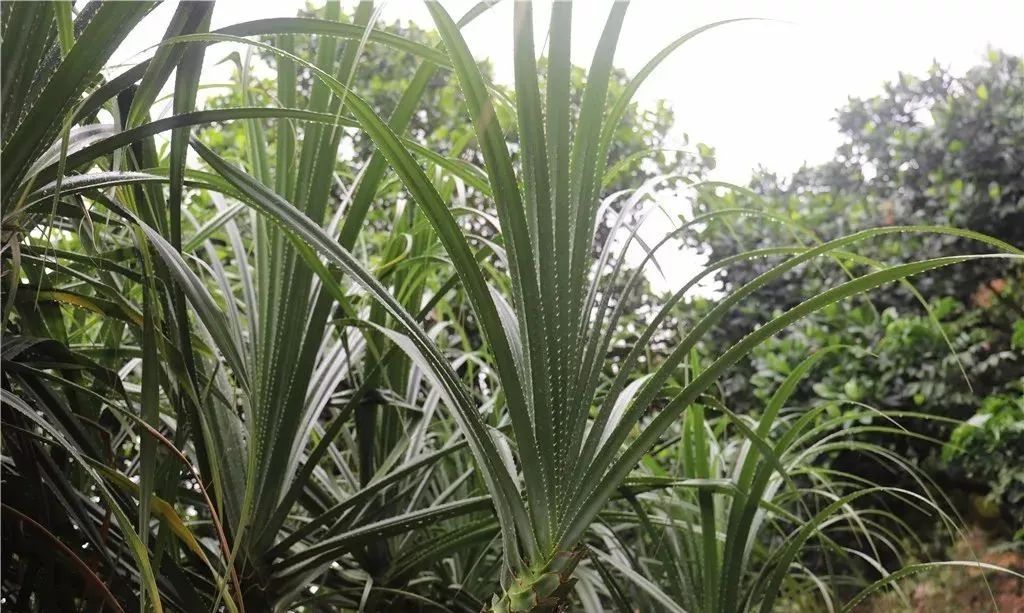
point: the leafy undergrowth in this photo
(958, 589)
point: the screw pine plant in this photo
(325, 414)
(749, 495)
(571, 464)
(257, 440)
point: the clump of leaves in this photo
(989, 447)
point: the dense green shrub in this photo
(989, 447)
(942, 150)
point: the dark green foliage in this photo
(942, 150)
(988, 448)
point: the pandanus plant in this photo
(207, 398)
(571, 447)
(240, 376)
(756, 508)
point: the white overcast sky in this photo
(761, 93)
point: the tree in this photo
(940, 150)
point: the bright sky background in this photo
(761, 93)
